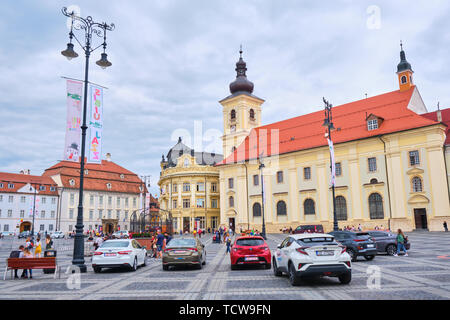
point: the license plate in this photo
(325, 253)
(251, 259)
(110, 254)
(179, 258)
(370, 246)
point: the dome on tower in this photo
(241, 84)
(403, 65)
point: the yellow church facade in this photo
(391, 171)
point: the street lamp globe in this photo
(69, 53)
(103, 62)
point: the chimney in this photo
(108, 156)
(438, 113)
(28, 171)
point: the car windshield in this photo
(115, 244)
(182, 243)
(250, 242)
(316, 241)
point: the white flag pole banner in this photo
(333, 164)
(95, 125)
(73, 123)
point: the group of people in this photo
(26, 251)
(158, 243)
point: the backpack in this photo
(14, 254)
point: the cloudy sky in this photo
(174, 59)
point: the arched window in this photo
(376, 206)
(256, 210)
(373, 181)
(231, 202)
(252, 114)
(281, 208)
(341, 208)
(403, 80)
(186, 163)
(233, 114)
(416, 184)
(309, 206)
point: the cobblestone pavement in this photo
(424, 274)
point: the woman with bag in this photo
(401, 240)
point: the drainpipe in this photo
(446, 172)
(387, 181)
(246, 185)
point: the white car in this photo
(121, 234)
(119, 253)
(312, 254)
(57, 235)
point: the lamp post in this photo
(263, 231)
(328, 122)
(89, 27)
(34, 210)
(144, 194)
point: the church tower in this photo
(404, 72)
(241, 110)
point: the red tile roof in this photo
(20, 180)
(445, 119)
(306, 131)
(97, 177)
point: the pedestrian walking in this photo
(228, 242)
(401, 240)
(38, 250)
(445, 226)
(160, 243)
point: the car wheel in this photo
(200, 264)
(276, 272)
(368, 258)
(165, 267)
(352, 254)
(134, 267)
(204, 259)
(391, 249)
(345, 278)
(97, 269)
(293, 279)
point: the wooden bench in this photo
(31, 263)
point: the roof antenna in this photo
(401, 45)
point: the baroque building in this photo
(111, 195)
(189, 185)
(391, 169)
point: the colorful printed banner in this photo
(333, 163)
(73, 124)
(95, 125)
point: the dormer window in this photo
(186, 163)
(373, 122)
(72, 182)
(252, 114)
(108, 185)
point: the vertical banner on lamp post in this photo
(333, 164)
(95, 125)
(73, 123)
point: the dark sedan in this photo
(357, 244)
(386, 242)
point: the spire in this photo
(241, 83)
(403, 65)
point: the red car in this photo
(250, 250)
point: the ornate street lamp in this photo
(261, 166)
(328, 122)
(34, 209)
(89, 27)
